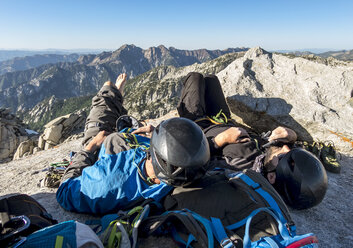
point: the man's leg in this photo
(214, 97)
(106, 108)
(192, 101)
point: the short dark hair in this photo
(268, 158)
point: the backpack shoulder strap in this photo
(269, 195)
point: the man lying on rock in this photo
(296, 174)
(125, 173)
(115, 170)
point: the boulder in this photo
(41, 142)
(59, 129)
(265, 90)
(56, 132)
(48, 146)
(36, 149)
(53, 133)
(55, 122)
(70, 120)
(24, 147)
(12, 133)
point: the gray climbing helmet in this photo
(179, 151)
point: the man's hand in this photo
(232, 135)
(283, 134)
(97, 141)
(145, 130)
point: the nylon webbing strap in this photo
(190, 240)
(197, 227)
(220, 233)
(238, 224)
(188, 218)
(189, 226)
(257, 187)
(206, 225)
(271, 242)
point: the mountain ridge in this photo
(23, 89)
(140, 91)
(29, 62)
(344, 55)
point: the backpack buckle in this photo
(226, 243)
(255, 186)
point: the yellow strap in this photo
(59, 241)
(112, 235)
(134, 210)
(257, 144)
(208, 119)
(225, 117)
(137, 144)
(139, 210)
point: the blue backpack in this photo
(238, 210)
(65, 234)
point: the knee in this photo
(193, 77)
(211, 76)
(194, 74)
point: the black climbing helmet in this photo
(301, 179)
(179, 151)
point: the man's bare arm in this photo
(232, 135)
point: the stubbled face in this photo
(273, 155)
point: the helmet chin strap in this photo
(151, 176)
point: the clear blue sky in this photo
(108, 24)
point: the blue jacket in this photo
(110, 184)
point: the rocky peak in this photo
(86, 59)
(255, 52)
(127, 47)
(162, 47)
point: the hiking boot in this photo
(54, 174)
(328, 157)
(52, 180)
(314, 148)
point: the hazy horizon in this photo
(83, 50)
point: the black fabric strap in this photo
(199, 230)
(188, 221)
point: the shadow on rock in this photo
(48, 200)
(264, 114)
